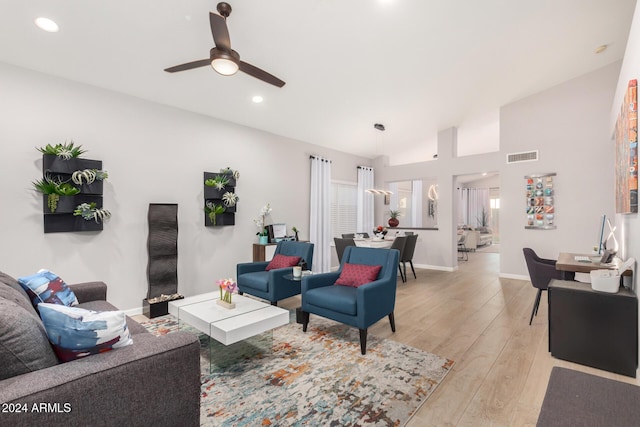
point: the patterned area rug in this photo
(319, 378)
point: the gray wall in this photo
(569, 125)
(153, 153)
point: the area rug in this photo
(319, 378)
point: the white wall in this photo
(629, 225)
(569, 125)
(153, 154)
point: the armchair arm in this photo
(376, 300)
(314, 281)
(90, 291)
(251, 267)
(150, 382)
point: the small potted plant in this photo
(393, 218)
(60, 157)
(57, 193)
(295, 230)
(90, 211)
(233, 175)
(213, 210)
(227, 288)
(229, 200)
(90, 180)
(263, 234)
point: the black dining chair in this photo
(541, 272)
(364, 235)
(407, 256)
(399, 243)
(349, 235)
(341, 245)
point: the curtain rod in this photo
(365, 167)
(319, 158)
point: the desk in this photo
(567, 262)
(593, 328)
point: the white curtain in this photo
(320, 213)
(474, 202)
(364, 218)
(393, 199)
(416, 203)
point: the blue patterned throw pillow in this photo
(76, 332)
(45, 286)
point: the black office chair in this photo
(349, 235)
(341, 245)
(541, 272)
(407, 256)
(399, 243)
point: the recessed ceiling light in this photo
(601, 48)
(47, 24)
(257, 99)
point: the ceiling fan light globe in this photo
(224, 66)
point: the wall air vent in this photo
(525, 156)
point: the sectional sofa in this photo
(153, 381)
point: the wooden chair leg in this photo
(535, 306)
(392, 321)
(363, 341)
(305, 320)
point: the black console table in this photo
(594, 328)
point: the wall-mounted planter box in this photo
(67, 204)
(221, 219)
(68, 223)
(56, 164)
(211, 193)
(96, 187)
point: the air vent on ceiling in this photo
(525, 156)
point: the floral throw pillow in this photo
(356, 275)
(282, 261)
(45, 286)
(75, 332)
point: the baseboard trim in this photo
(513, 276)
(133, 311)
(436, 267)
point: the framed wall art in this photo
(626, 142)
(540, 196)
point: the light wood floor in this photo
(502, 364)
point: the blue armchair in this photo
(253, 279)
(360, 307)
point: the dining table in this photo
(373, 242)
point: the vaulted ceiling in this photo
(417, 66)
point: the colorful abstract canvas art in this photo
(626, 173)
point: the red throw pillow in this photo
(283, 261)
(358, 274)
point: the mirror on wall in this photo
(416, 200)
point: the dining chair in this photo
(541, 272)
(348, 235)
(463, 253)
(399, 243)
(341, 245)
(364, 235)
(407, 256)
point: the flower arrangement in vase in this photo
(260, 223)
(380, 231)
(227, 288)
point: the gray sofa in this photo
(155, 381)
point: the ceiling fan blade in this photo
(219, 31)
(260, 74)
(188, 66)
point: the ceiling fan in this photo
(222, 58)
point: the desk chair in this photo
(541, 272)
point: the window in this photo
(343, 208)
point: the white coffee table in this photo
(227, 326)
